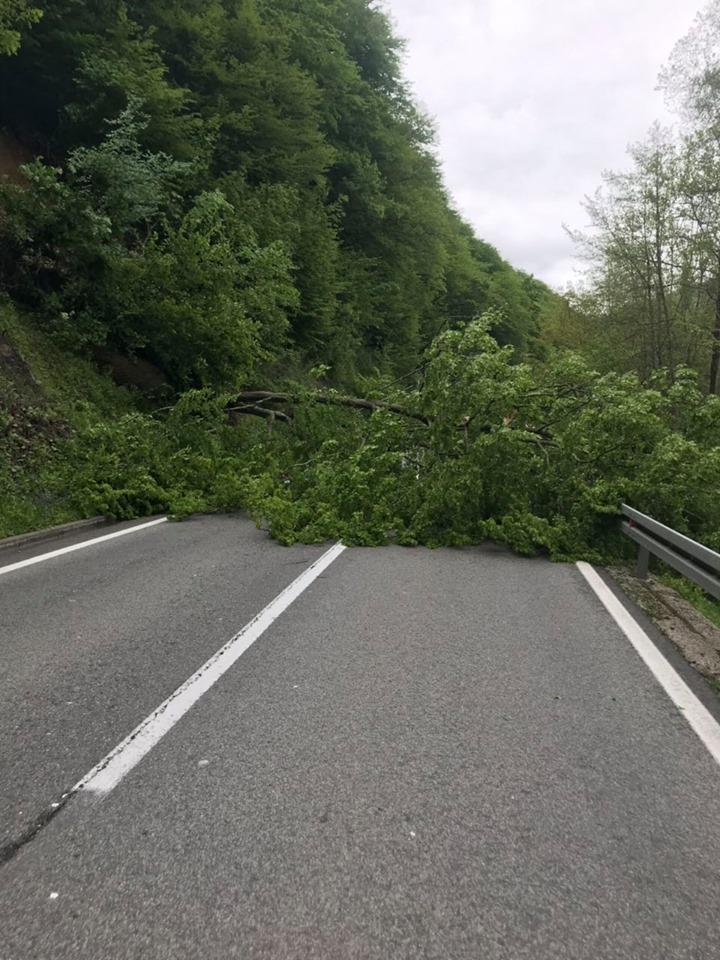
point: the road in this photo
(449, 754)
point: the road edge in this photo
(694, 678)
(52, 533)
(702, 716)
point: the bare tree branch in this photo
(250, 401)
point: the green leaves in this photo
(537, 458)
(124, 182)
(14, 16)
(540, 459)
(339, 243)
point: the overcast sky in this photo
(532, 100)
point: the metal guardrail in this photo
(694, 561)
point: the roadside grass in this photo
(703, 602)
(68, 384)
(74, 445)
(45, 396)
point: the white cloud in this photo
(532, 100)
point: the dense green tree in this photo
(15, 15)
(297, 112)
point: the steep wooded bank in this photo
(227, 187)
(234, 208)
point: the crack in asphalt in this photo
(12, 847)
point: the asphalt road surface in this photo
(449, 754)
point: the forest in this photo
(231, 278)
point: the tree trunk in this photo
(250, 401)
(714, 386)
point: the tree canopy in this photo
(284, 132)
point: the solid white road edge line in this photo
(699, 717)
(80, 546)
(120, 761)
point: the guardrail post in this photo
(698, 563)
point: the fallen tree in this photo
(253, 403)
(263, 403)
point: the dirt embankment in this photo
(26, 422)
(693, 634)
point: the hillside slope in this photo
(226, 187)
